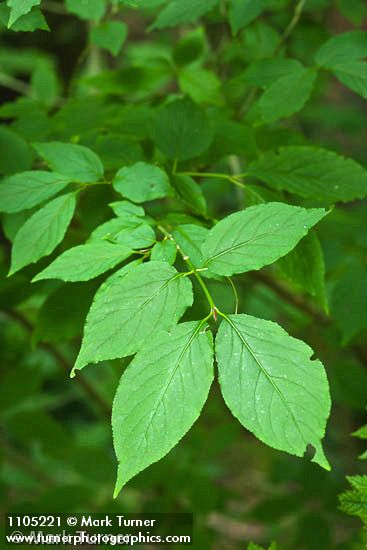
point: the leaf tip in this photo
(320, 458)
(11, 20)
(120, 482)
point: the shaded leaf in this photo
(191, 194)
(177, 12)
(90, 10)
(287, 95)
(110, 36)
(15, 153)
(62, 315)
(343, 54)
(76, 161)
(304, 266)
(312, 173)
(348, 301)
(181, 130)
(243, 12)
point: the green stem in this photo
(235, 293)
(232, 179)
(203, 286)
(193, 269)
(83, 186)
(293, 23)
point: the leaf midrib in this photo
(174, 370)
(266, 374)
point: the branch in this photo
(19, 459)
(297, 300)
(55, 7)
(15, 84)
(292, 24)
(63, 362)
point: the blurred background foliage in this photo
(92, 83)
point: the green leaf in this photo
(265, 72)
(76, 161)
(15, 153)
(354, 11)
(253, 546)
(62, 314)
(164, 251)
(201, 85)
(191, 194)
(342, 48)
(177, 12)
(128, 309)
(181, 130)
(270, 384)
(287, 95)
(127, 210)
(348, 302)
(304, 266)
(178, 370)
(19, 8)
(109, 35)
(243, 12)
(92, 10)
(190, 47)
(13, 222)
(28, 189)
(343, 54)
(354, 502)
(312, 173)
(361, 432)
(84, 262)
(45, 83)
(258, 236)
(42, 232)
(125, 231)
(353, 75)
(116, 150)
(190, 237)
(142, 182)
(232, 138)
(259, 41)
(29, 22)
